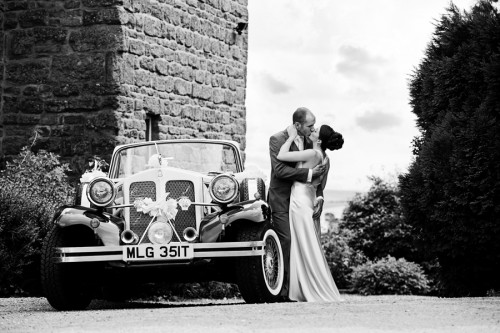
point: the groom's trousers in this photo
(281, 224)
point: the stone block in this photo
(157, 51)
(54, 105)
(66, 89)
(199, 76)
(50, 119)
(101, 16)
(49, 39)
(71, 18)
(101, 89)
(74, 119)
(202, 92)
(142, 79)
(27, 91)
(187, 74)
(79, 68)
(10, 21)
(187, 111)
(71, 4)
(82, 104)
(225, 5)
(34, 17)
(173, 110)
(15, 5)
(182, 87)
(174, 69)
(169, 84)
(198, 42)
(137, 47)
(229, 97)
(152, 105)
(32, 106)
(104, 119)
(147, 63)
(218, 96)
(28, 119)
(161, 66)
(159, 84)
(236, 53)
(32, 72)
(152, 27)
(96, 38)
(138, 104)
(20, 43)
(240, 96)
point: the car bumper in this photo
(196, 250)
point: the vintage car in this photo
(167, 211)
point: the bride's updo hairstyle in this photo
(329, 138)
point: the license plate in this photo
(158, 252)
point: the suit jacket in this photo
(283, 174)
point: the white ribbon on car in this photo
(163, 207)
(164, 210)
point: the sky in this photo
(350, 63)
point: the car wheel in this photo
(260, 278)
(65, 285)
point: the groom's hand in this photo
(318, 208)
(318, 170)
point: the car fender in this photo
(257, 211)
(108, 230)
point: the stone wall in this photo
(81, 76)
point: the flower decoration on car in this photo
(163, 207)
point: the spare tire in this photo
(250, 186)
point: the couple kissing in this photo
(299, 169)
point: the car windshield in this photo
(203, 157)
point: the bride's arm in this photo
(293, 156)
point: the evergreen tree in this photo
(451, 193)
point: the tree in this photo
(451, 193)
(377, 224)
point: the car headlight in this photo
(223, 188)
(160, 233)
(101, 191)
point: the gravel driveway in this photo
(355, 314)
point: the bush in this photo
(389, 276)
(377, 224)
(32, 187)
(341, 258)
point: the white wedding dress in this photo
(310, 277)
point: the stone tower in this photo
(79, 77)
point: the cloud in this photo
(358, 62)
(274, 85)
(377, 120)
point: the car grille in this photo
(140, 190)
(176, 188)
(184, 218)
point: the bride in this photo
(310, 276)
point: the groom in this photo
(283, 174)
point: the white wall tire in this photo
(260, 278)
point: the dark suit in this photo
(283, 174)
